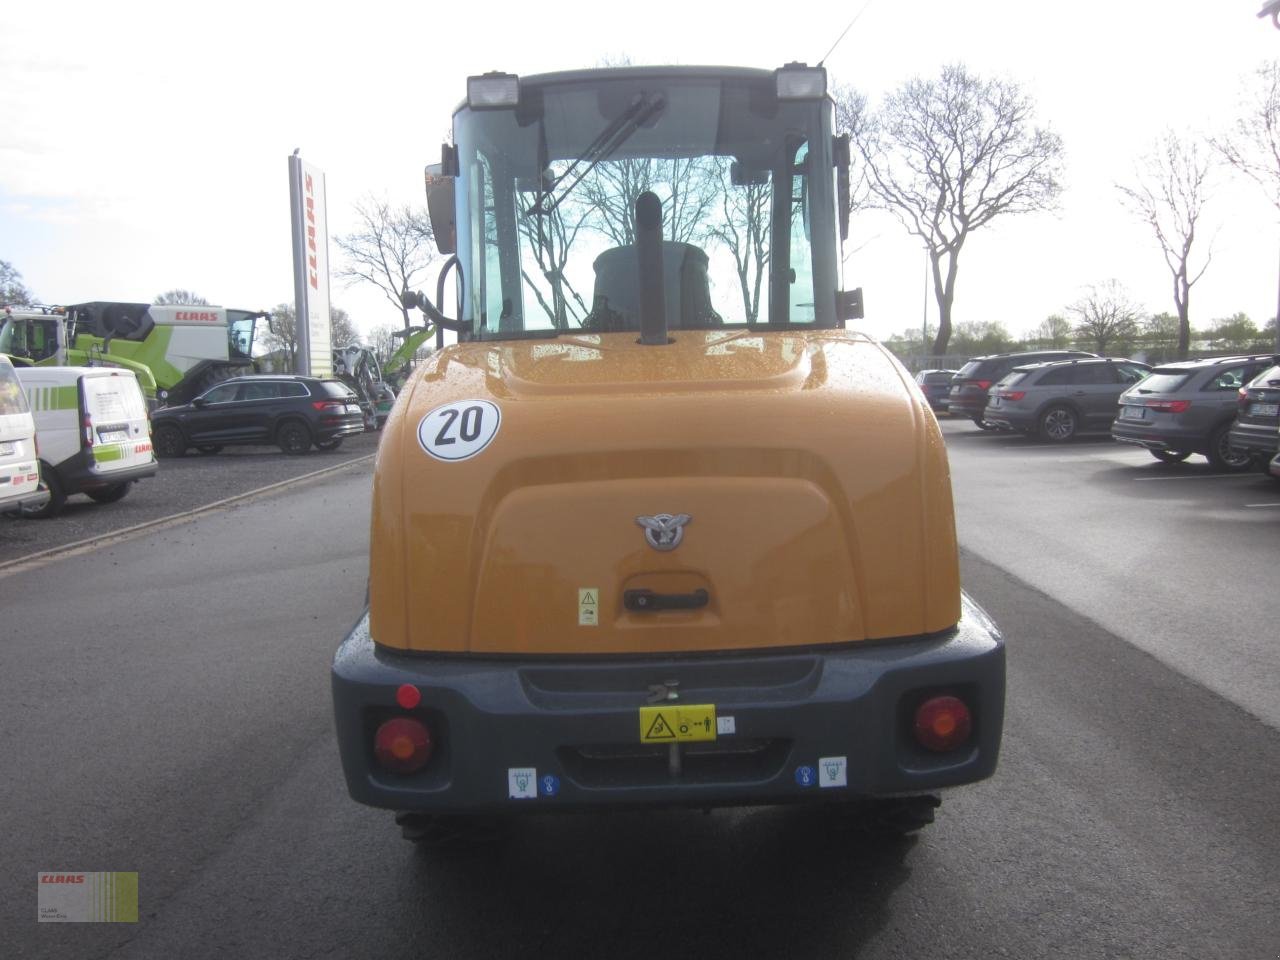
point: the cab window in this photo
(223, 393)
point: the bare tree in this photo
(391, 249)
(1054, 332)
(1252, 146)
(342, 331)
(282, 333)
(1169, 197)
(686, 187)
(950, 155)
(744, 229)
(1106, 316)
(181, 298)
(852, 117)
(12, 289)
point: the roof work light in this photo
(798, 81)
(493, 91)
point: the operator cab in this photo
(541, 199)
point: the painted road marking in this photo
(1207, 476)
(1262, 504)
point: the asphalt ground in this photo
(181, 485)
(166, 709)
(1178, 559)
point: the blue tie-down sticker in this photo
(549, 785)
(806, 776)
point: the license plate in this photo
(113, 436)
(670, 723)
(6, 449)
(995, 401)
(1133, 413)
(1264, 409)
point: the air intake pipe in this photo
(652, 295)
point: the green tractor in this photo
(177, 351)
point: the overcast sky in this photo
(144, 146)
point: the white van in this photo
(94, 432)
(19, 468)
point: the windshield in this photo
(240, 324)
(547, 196)
(12, 399)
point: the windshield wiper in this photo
(643, 108)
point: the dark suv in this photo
(935, 385)
(1257, 428)
(969, 387)
(291, 412)
(1188, 407)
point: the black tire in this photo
(117, 491)
(57, 496)
(1170, 456)
(454, 834)
(1220, 455)
(293, 437)
(978, 421)
(209, 449)
(1059, 424)
(167, 441)
(329, 444)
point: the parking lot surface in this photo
(182, 484)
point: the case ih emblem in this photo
(664, 531)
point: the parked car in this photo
(19, 469)
(290, 412)
(968, 397)
(1063, 398)
(1188, 407)
(92, 433)
(936, 386)
(1256, 432)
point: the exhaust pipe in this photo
(652, 299)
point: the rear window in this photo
(12, 399)
(1014, 377)
(937, 378)
(113, 398)
(1164, 381)
(337, 389)
(970, 370)
(1265, 377)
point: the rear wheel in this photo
(329, 444)
(1058, 424)
(1222, 456)
(983, 424)
(293, 438)
(1170, 456)
(209, 449)
(57, 496)
(168, 441)
(117, 491)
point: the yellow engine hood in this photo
(814, 478)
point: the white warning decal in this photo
(588, 607)
(459, 430)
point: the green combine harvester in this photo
(177, 351)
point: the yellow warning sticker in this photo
(677, 724)
(588, 607)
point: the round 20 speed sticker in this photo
(459, 430)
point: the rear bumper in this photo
(1158, 438)
(80, 474)
(28, 501)
(1260, 441)
(576, 724)
(1009, 419)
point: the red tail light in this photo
(88, 431)
(329, 406)
(1169, 406)
(1242, 400)
(983, 384)
(942, 724)
(402, 745)
(1011, 394)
